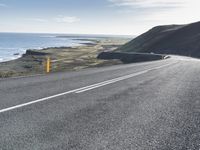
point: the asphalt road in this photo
(144, 106)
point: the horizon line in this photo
(99, 34)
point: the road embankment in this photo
(129, 57)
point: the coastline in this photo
(17, 55)
(63, 58)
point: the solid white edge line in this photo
(83, 89)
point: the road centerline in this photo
(84, 89)
(111, 81)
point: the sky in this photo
(118, 17)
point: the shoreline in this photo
(72, 58)
(89, 42)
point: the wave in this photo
(5, 59)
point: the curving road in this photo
(143, 106)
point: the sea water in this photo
(13, 45)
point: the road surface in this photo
(142, 106)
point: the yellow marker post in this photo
(48, 65)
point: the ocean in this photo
(13, 45)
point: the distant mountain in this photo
(169, 39)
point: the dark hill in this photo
(170, 39)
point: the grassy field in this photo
(62, 58)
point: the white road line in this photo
(111, 81)
(118, 79)
(84, 89)
(36, 101)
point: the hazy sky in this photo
(126, 17)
